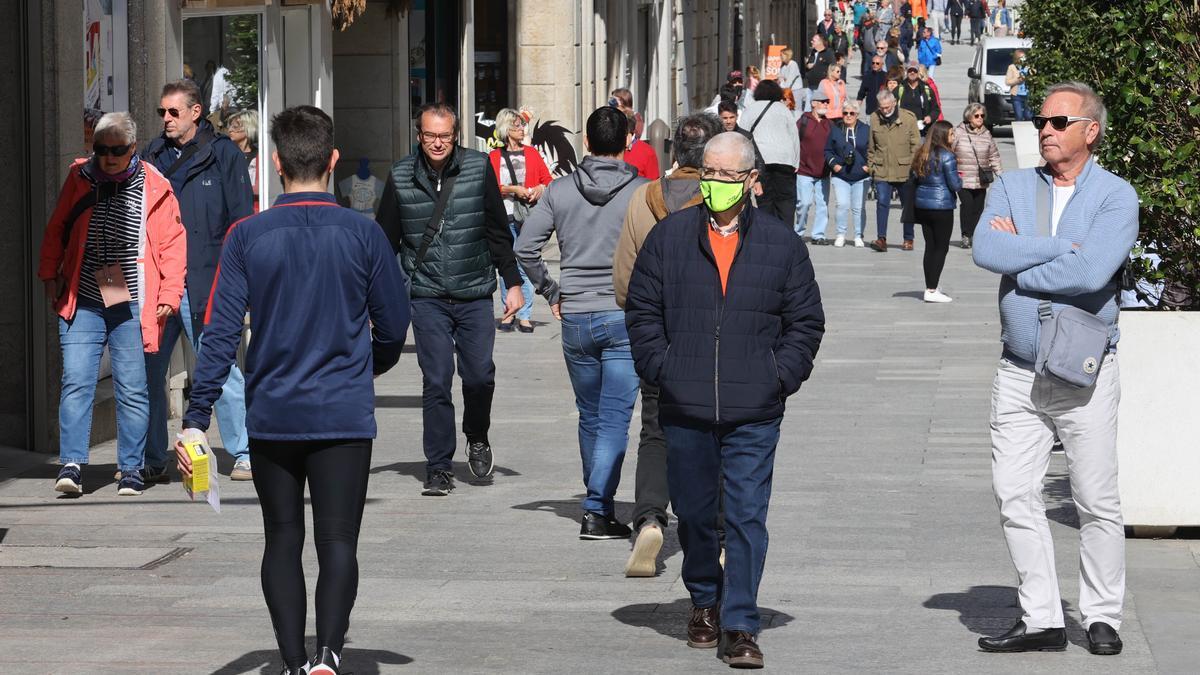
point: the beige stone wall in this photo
(547, 63)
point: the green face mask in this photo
(722, 195)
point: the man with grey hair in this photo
(724, 370)
(1059, 235)
(678, 190)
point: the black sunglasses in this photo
(1059, 122)
(114, 150)
(174, 112)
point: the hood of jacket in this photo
(599, 179)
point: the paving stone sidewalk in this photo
(886, 553)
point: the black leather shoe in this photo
(741, 651)
(599, 526)
(1103, 640)
(1020, 639)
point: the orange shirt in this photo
(723, 249)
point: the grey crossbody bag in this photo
(1073, 342)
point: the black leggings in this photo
(971, 209)
(956, 27)
(938, 226)
(337, 473)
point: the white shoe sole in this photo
(128, 492)
(643, 561)
(68, 486)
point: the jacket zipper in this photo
(717, 353)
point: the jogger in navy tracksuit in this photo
(328, 310)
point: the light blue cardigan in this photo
(1101, 216)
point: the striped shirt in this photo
(113, 234)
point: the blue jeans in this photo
(443, 330)
(596, 349)
(807, 193)
(850, 196)
(698, 457)
(230, 407)
(883, 202)
(526, 310)
(83, 339)
(1021, 110)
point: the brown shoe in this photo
(907, 245)
(702, 628)
(741, 651)
(880, 245)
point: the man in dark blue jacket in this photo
(330, 310)
(724, 316)
(209, 176)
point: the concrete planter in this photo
(1157, 445)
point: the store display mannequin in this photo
(361, 191)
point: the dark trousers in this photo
(698, 457)
(336, 472)
(444, 330)
(971, 207)
(651, 493)
(779, 192)
(883, 204)
(956, 27)
(937, 225)
(976, 29)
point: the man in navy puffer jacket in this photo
(724, 316)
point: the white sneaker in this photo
(840, 241)
(937, 295)
(859, 243)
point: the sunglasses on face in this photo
(977, 116)
(174, 112)
(1059, 122)
(114, 150)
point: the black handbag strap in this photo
(511, 171)
(87, 201)
(760, 116)
(435, 222)
(183, 157)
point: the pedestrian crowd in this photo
(691, 290)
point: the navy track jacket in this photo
(328, 310)
(731, 358)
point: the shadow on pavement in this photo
(356, 661)
(991, 610)
(671, 619)
(918, 295)
(416, 470)
(572, 509)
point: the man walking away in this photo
(442, 211)
(586, 212)
(651, 203)
(210, 179)
(773, 129)
(1058, 235)
(724, 370)
(330, 311)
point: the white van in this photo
(992, 58)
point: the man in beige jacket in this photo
(649, 204)
(894, 139)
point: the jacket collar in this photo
(289, 198)
(1080, 180)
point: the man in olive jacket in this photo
(894, 140)
(451, 265)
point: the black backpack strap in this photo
(435, 222)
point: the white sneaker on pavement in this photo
(840, 241)
(936, 295)
(859, 243)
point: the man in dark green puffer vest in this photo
(452, 281)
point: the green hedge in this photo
(1143, 58)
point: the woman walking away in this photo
(113, 260)
(311, 417)
(936, 173)
(979, 161)
(523, 178)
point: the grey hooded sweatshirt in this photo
(587, 211)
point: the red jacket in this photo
(162, 250)
(814, 132)
(643, 158)
(536, 172)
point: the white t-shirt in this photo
(1060, 197)
(363, 193)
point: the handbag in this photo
(520, 208)
(986, 176)
(1072, 344)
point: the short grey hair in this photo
(504, 122)
(970, 111)
(850, 105)
(885, 96)
(731, 142)
(117, 124)
(1093, 105)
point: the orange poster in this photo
(774, 62)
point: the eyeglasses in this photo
(849, 113)
(113, 150)
(725, 174)
(174, 112)
(877, 63)
(428, 137)
(977, 116)
(1059, 122)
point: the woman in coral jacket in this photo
(523, 177)
(113, 261)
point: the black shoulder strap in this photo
(760, 116)
(507, 160)
(184, 156)
(435, 222)
(87, 201)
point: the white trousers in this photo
(1027, 411)
(937, 21)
